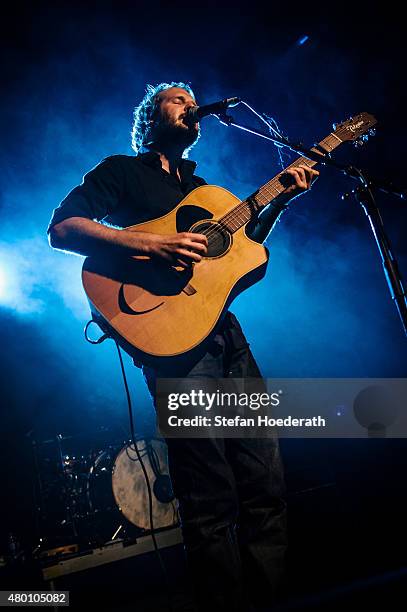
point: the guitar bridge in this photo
(189, 289)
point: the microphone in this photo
(196, 113)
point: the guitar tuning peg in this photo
(359, 143)
(372, 132)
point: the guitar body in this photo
(157, 312)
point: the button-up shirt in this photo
(124, 190)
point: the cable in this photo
(273, 127)
(150, 496)
(104, 337)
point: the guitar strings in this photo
(232, 216)
(243, 207)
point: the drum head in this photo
(130, 489)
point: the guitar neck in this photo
(247, 209)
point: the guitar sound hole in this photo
(219, 239)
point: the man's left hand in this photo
(301, 179)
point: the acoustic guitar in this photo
(156, 311)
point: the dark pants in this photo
(231, 496)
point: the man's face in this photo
(169, 120)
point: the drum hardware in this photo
(88, 497)
(54, 523)
(116, 533)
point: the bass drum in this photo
(130, 489)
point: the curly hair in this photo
(143, 113)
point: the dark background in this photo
(72, 76)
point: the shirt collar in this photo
(151, 158)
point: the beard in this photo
(178, 133)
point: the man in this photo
(230, 491)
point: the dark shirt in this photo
(124, 190)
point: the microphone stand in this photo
(363, 194)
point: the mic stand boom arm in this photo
(363, 194)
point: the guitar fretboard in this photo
(247, 209)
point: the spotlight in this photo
(302, 40)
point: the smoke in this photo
(323, 308)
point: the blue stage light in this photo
(3, 283)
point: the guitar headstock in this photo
(357, 129)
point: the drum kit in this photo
(101, 494)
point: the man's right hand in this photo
(179, 250)
(91, 238)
